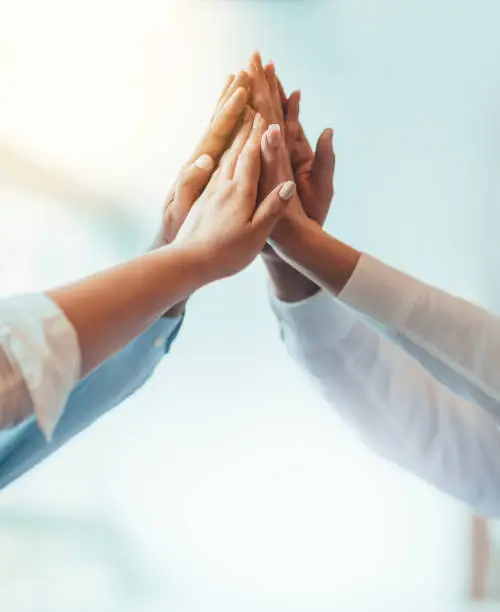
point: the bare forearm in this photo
(323, 259)
(111, 308)
(177, 309)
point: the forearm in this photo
(399, 410)
(109, 309)
(458, 342)
(325, 261)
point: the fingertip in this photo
(255, 58)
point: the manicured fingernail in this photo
(287, 191)
(204, 162)
(273, 135)
(257, 121)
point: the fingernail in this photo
(273, 135)
(204, 162)
(257, 120)
(287, 191)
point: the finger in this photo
(275, 95)
(281, 90)
(222, 97)
(215, 140)
(270, 144)
(261, 95)
(190, 185)
(292, 119)
(247, 170)
(242, 79)
(194, 179)
(271, 209)
(323, 166)
(230, 157)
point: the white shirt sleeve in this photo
(397, 407)
(39, 361)
(456, 340)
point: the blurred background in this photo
(225, 483)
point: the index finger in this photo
(247, 172)
(275, 94)
(242, 79)
(216, 137)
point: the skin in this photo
(297, 265)
(227, 116)
(222, 233)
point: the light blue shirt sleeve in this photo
(25, 446)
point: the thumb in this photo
(193, 180)
(324, 164)
(272, 208)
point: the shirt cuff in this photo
(316, 320)
(163, 333)
(43, 347)
(381, 292)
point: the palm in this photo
(314, 184)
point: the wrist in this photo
(290, 236)
(177, 310)
(286, 283)
(192, 265)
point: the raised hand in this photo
(224, 225)
(313, 171)
(227, 114)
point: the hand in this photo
(224, 226)
(261, 96)
(227, 114)
(314, 171)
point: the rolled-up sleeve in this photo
(119, 377)
(397, 407)
(39, 361)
